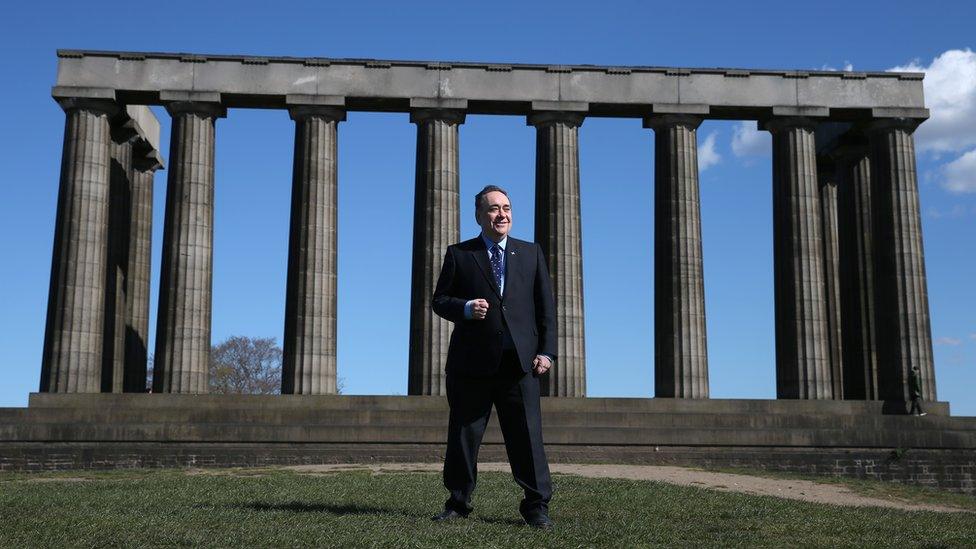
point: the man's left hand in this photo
(541, 364)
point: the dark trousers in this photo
(916, 408)
(515, 396)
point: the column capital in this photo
(211, 110)
(778, 123)
(329, 113)
(658, 121)
(451, 116)
(195, 102)
(896, 123)
(107, 107)
(546, 118)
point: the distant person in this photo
(915, 385)
(497, 292)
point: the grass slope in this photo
(280, 508)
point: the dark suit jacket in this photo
(527, 309)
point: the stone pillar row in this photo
(901, 292)
(826, 176)
(437, 223)
(851, 298)
(139, 272)
(558, 231)
(98, 309)
(73, 341)
(680, 348)
(852, 314)
(309, 354)
(119, 217)
(852, 167)
(181, 362)
(118, 291)
(802, 360)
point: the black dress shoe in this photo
(447, 515)
(540, 521)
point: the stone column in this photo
(72, 360)
(557, 230)
(309, 358)
(855, 227)
(831, 275)
(436, 226)
(139, 271)
(186, 278)
(802, 361)
(119, 217)
(902, 305)
(680, 350)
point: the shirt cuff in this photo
(468, 310)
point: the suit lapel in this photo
(481, 258)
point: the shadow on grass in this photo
(338, 509)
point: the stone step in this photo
(374, 402)
(366, 418)
(166, 432)
(299, 419)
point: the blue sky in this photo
(376, 166)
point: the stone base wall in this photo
(858, 439)
(953, 469)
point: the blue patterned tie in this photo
(496, 265)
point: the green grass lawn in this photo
(279, 508)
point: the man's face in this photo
(494, 215)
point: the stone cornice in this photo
(491, 88)
(492, 67)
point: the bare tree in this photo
(245, 365)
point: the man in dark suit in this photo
(496, 290)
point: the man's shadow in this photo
(338, 509)
(345, 509)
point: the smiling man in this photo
(496, 290)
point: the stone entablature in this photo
(492, 88)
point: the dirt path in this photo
(803, 490)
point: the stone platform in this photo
(851, 438)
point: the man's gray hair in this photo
(481, 194)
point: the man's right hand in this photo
(479, 309)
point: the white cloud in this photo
(848, 67)
(707, 155)
(959, 176)
(747, 140)
(947, 341)
(950, 95)
(955, 212)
